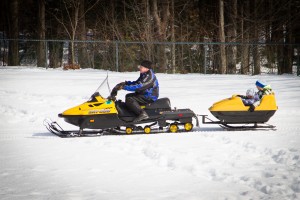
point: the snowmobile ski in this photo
(57, 130)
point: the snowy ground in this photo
(209, 163)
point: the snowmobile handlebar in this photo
(115, 90)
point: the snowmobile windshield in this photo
(103, 89)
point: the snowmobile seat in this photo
(163, 104)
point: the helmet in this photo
(250, 93)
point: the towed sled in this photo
(101, 115)
(233, 114)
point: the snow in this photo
(209, 163)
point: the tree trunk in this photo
(256, 56)
(232, 34)
(72, 50)
(13, 33)
(173, 52)
(74, 24)
(55, 54)
(222, 38)
(161, 25)
(270, 50)
(148, 31)
(289, 49)
(83, 57)
(245, 39)
(41, 47)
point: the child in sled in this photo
(263, 89)
(250, 99)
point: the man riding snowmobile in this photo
(145, 88)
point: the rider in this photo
(145, 88)
(263, 89)
(250, 98)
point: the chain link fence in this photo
(169, 57)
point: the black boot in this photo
(142, 116)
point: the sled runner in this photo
(238, 125)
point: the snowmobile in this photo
(101, 115)
(232, 113)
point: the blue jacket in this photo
(146, 84)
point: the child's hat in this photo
(250, 92)
(260, 84)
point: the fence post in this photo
(117, 56)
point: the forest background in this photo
(179, 36)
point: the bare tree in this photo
(245, 38)
(232, 35)
(161, 14)
(255, 49)
(222, 38)
(41, 47)
(148, 30)
(172, 23)
(288, 50)
(13, 33)
(72, 11)
(83, 57)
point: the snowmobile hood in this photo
(235, 103)
(97, 105)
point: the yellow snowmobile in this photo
(107, 115)
(232, 111)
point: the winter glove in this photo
(120, 86)
(252, 108)
(112, 98)
(114, 93)
(242, 96)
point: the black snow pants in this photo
(134, 101)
